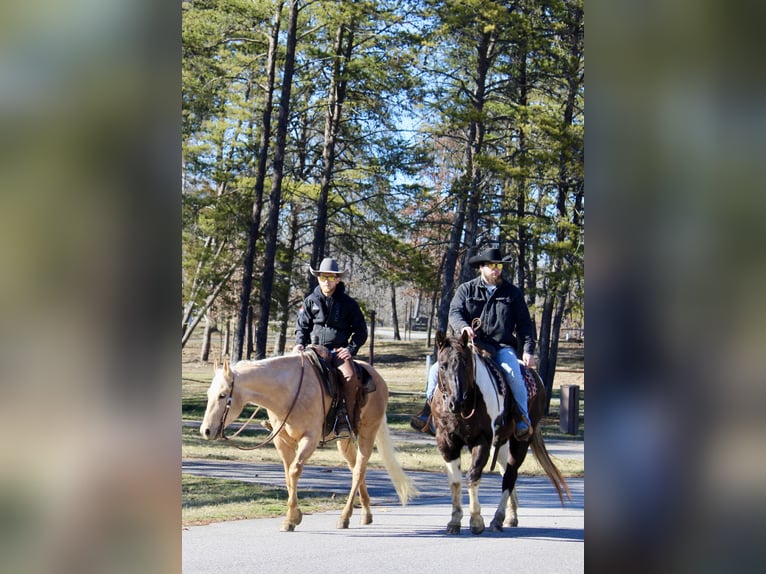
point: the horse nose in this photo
(452, 406)
(205, 432)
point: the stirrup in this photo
(342, 428)
(419, 422)
(523, 429)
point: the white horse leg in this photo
(497, 522)
(477, 522)
(454, 477)
(512, 519)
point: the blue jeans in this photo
(507, 360)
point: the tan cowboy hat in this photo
(328, 266)
(489, 256)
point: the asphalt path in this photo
(549, 538)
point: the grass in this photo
(207, 500)
(403, 365)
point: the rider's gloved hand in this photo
(529, 359)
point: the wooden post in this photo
(569, 409)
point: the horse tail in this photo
(403, 484)
(555, 476)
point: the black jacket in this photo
(502, 314)
(331, 321)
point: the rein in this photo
(276, 431)
(475, 394)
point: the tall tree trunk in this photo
(394, 313)
(521, 182)
(227, 338)
(249, 332)
(284, 293)
(272, 227)
(485, 56)
(562, 269)
(466, 188)
(344, 44)
(204, 354)
(453, 251)
(260, 178)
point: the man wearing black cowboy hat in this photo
(331, 318)
(502, 311)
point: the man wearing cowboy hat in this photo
(331, 318)
(502, 311)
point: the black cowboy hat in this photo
(489, 256)
(328, 266)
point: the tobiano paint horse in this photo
(297, 404)
(465, 407)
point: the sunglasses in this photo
(495, 265)
(329, 278)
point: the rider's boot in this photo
(523, 430)
(423, 421)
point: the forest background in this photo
(400, 138)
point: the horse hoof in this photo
(513, 523)
(495, 526)
(366, 519)
(287, 527)
(477, 529)
(453, 529)
(342, 523)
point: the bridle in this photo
(274, 432)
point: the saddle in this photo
(486, 351)
(334, 381)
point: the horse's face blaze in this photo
(217, 394)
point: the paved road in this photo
(549, 539)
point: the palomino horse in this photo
(291, 391)
(465, 407)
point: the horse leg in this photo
(509, 482)
(453, 475)
(479, 458)
(505, 498)
(293, 463)
(476, 522)
(347, 449)
(365, 443)
(513, 507)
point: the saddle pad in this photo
(530, 381)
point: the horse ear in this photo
(464, 338)
(226, 367)
(439, 339)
